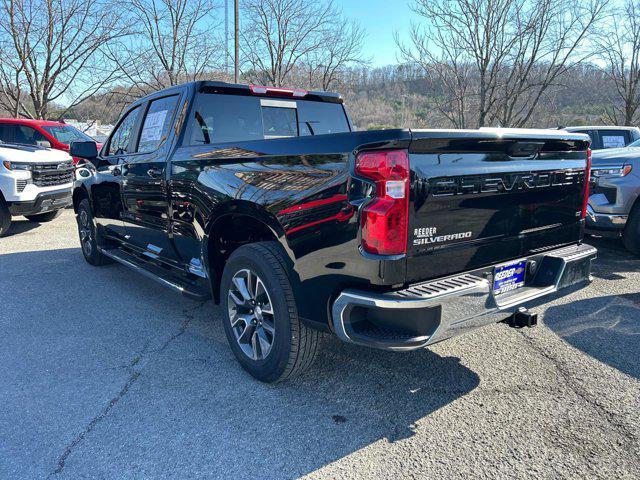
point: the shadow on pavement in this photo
(613, 259)
(607, 328)
(21, 226)
(189, 407)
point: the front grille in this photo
(47, 175)
(21, 185)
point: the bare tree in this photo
(280, 36)
(176, 41)
(498, 56)
(620, 50)
(53, 52)
(342, 48)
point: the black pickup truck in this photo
(266, 200)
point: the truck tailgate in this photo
(486, 196)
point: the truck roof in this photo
(208, 86)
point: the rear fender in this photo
(254, 213)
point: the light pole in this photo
(226, 37)
(236, 33)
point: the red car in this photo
(45, 133)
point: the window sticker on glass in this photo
(612, 141)
(152, 130)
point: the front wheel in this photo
(44, 217)
(260, 315)
(5, 218)
(87, 233)
(631, 235)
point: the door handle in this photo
(155, 172)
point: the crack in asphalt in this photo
(69, 448)
(611, 418)
(189, 315)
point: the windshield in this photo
(67, 134)
(634, 144)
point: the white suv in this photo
(35, 182)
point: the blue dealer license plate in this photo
(509, 276)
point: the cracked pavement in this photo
(108, 375)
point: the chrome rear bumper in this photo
(433, 311)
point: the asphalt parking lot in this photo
(107, 375)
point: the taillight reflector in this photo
(385, 219)
(587, 179)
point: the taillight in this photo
(385, 219)
(587, 180)
(277, 91)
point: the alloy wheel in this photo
(251, 314)
(86, 233)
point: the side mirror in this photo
(88, 150)
(44, 143)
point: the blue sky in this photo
(380, 19)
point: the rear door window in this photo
(157, 123)
(614, 138)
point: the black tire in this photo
(5, 218)
(87, 233)
(293, 345)
(631, 234)
(44, 217)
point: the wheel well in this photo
(78, 195)
(228, 234)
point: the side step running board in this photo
(160, 275)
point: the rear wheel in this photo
(44, 217)
(87, 233)
(631, 235)
(260, 315)
(5, 218)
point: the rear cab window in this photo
(222, 118)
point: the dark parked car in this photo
(268, 201)
(614, 207)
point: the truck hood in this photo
(31, 154)
(616, 156)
